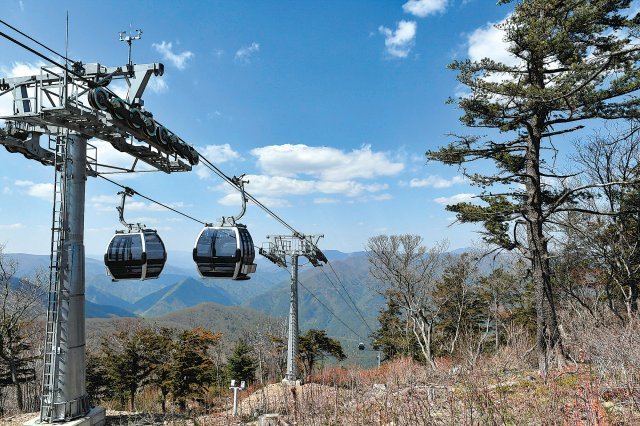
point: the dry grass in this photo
(403, 392)
(601, 388)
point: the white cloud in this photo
(245, 54)
(179, 60)
(119, 87)
(436, 182)
(488, 42)
(278, 186)
(217, 154)
(13, 226)
(7, 191)
(37, 190)
(22, 69)
(324, 200)
(422, 8)
(399, 42)
(382, 197)
(458, 198)
(233, 199)
(158, 85)
(108, 203)
(349, 188)
(21, 4)
(326, 163)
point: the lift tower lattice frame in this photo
(277, 250)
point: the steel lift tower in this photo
(277, 251)
(65, 106)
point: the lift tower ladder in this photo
(57, 304)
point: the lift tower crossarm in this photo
(53, 101)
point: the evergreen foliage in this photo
(192, 368)
(573, 62)
(394, 337)
(126, 362)
(20, 305)
(242, 364)
(314, 345)
(461, 312)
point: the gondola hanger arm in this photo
(128, 192)
(238, 182)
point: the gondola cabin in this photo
(225, 252)
(361, 346)
(135, 255)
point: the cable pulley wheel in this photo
(119, 109)
(100, 98)
(178, 146)
(162, 136)
(149, 126)
(135, 120)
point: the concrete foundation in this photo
(96, 417)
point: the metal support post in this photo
(235, 395)
(64, 392)
(72, 389)
(294, 246)
(292, 346)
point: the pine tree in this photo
(314, 345)
(97, 379)
(575, 61)
(241, 365)
(393, 338)
(457, 295)
(125, 361)
(192, 367)
(159, 346)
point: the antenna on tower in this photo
(129, 39)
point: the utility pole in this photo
(277, 251)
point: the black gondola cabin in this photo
(134, 255)
(225, 252)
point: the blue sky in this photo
(328, 107)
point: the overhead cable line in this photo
(205, 161)
(152, 200)
(231, 182)
(357, 310)
(89, 82)
(32, 39)
(329, 309)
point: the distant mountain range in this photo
(232, 321)
(180, 295)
